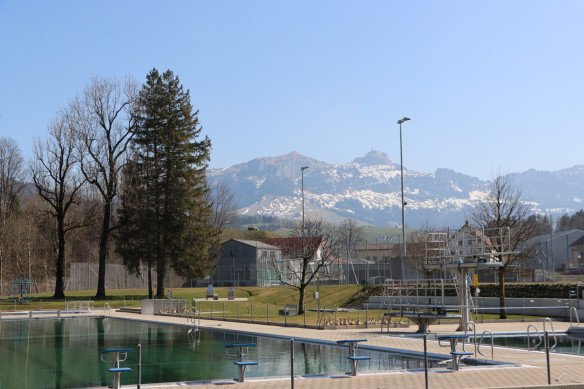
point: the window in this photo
(460, 242)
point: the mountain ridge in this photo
(367, 189)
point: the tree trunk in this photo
(161, 272)
(150, 293)
(301, 295)
(105, 230)
(60, 261)
(503, 311)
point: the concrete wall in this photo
(535, 306)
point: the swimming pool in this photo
(565, 344)
(63, 353)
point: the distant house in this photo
(472, 244)
(291, 264)
(576, 264)
(246, 263)
(553, 252)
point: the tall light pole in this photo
(302, 169)
(403, 203)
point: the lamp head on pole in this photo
(404, 119)
(303, 168)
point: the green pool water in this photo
(65, 353)
(561, 343)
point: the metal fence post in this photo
(292, 363)
(426, 360)
(211, 310)
(547, 357)
(267, 315)
(139, 365)
(367, 316)
(251, 312)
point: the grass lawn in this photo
(261, 306)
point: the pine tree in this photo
(169, 215)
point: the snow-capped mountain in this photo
(368, 190)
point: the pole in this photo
(318, 300)
(292, 363)
(139, 365)
(403, 203)
(547, 357)
(426, 359)
(302, 169)
(403, 215)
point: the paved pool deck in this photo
(527, 369)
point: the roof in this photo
(578, 242)
(555, 235)
(256, 244)
(293, 245)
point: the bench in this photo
(117, 371)
(241, 364)
(289, 310)
(118, 355)
(353, 358)
(453, 340)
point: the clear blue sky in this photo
(490, 86)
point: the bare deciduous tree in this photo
(57, 181)
(224, 209)
(421, 247)
(504, 207)
(351, 234)
(102, 121)
(306, 253)
(11, 185)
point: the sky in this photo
(490, 87)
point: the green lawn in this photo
(262, 304)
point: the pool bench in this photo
(353, 358)
(117, 371)
(453, 340)
(241, 351)
(116, 355)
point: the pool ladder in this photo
(573, 309)
(193, 331)
(539, 336)
(478, 342)
(106, 310)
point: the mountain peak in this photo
(373, 158)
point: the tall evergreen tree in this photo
(170, 211)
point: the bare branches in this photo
(223, 205)
(307, 254)
(57, 180)
(103, 123)
(503, 208)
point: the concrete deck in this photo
(529, 370)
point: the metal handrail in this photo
(529, 336)
(573, 309)
(547, 319)
(107, 309)
(492, 344)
